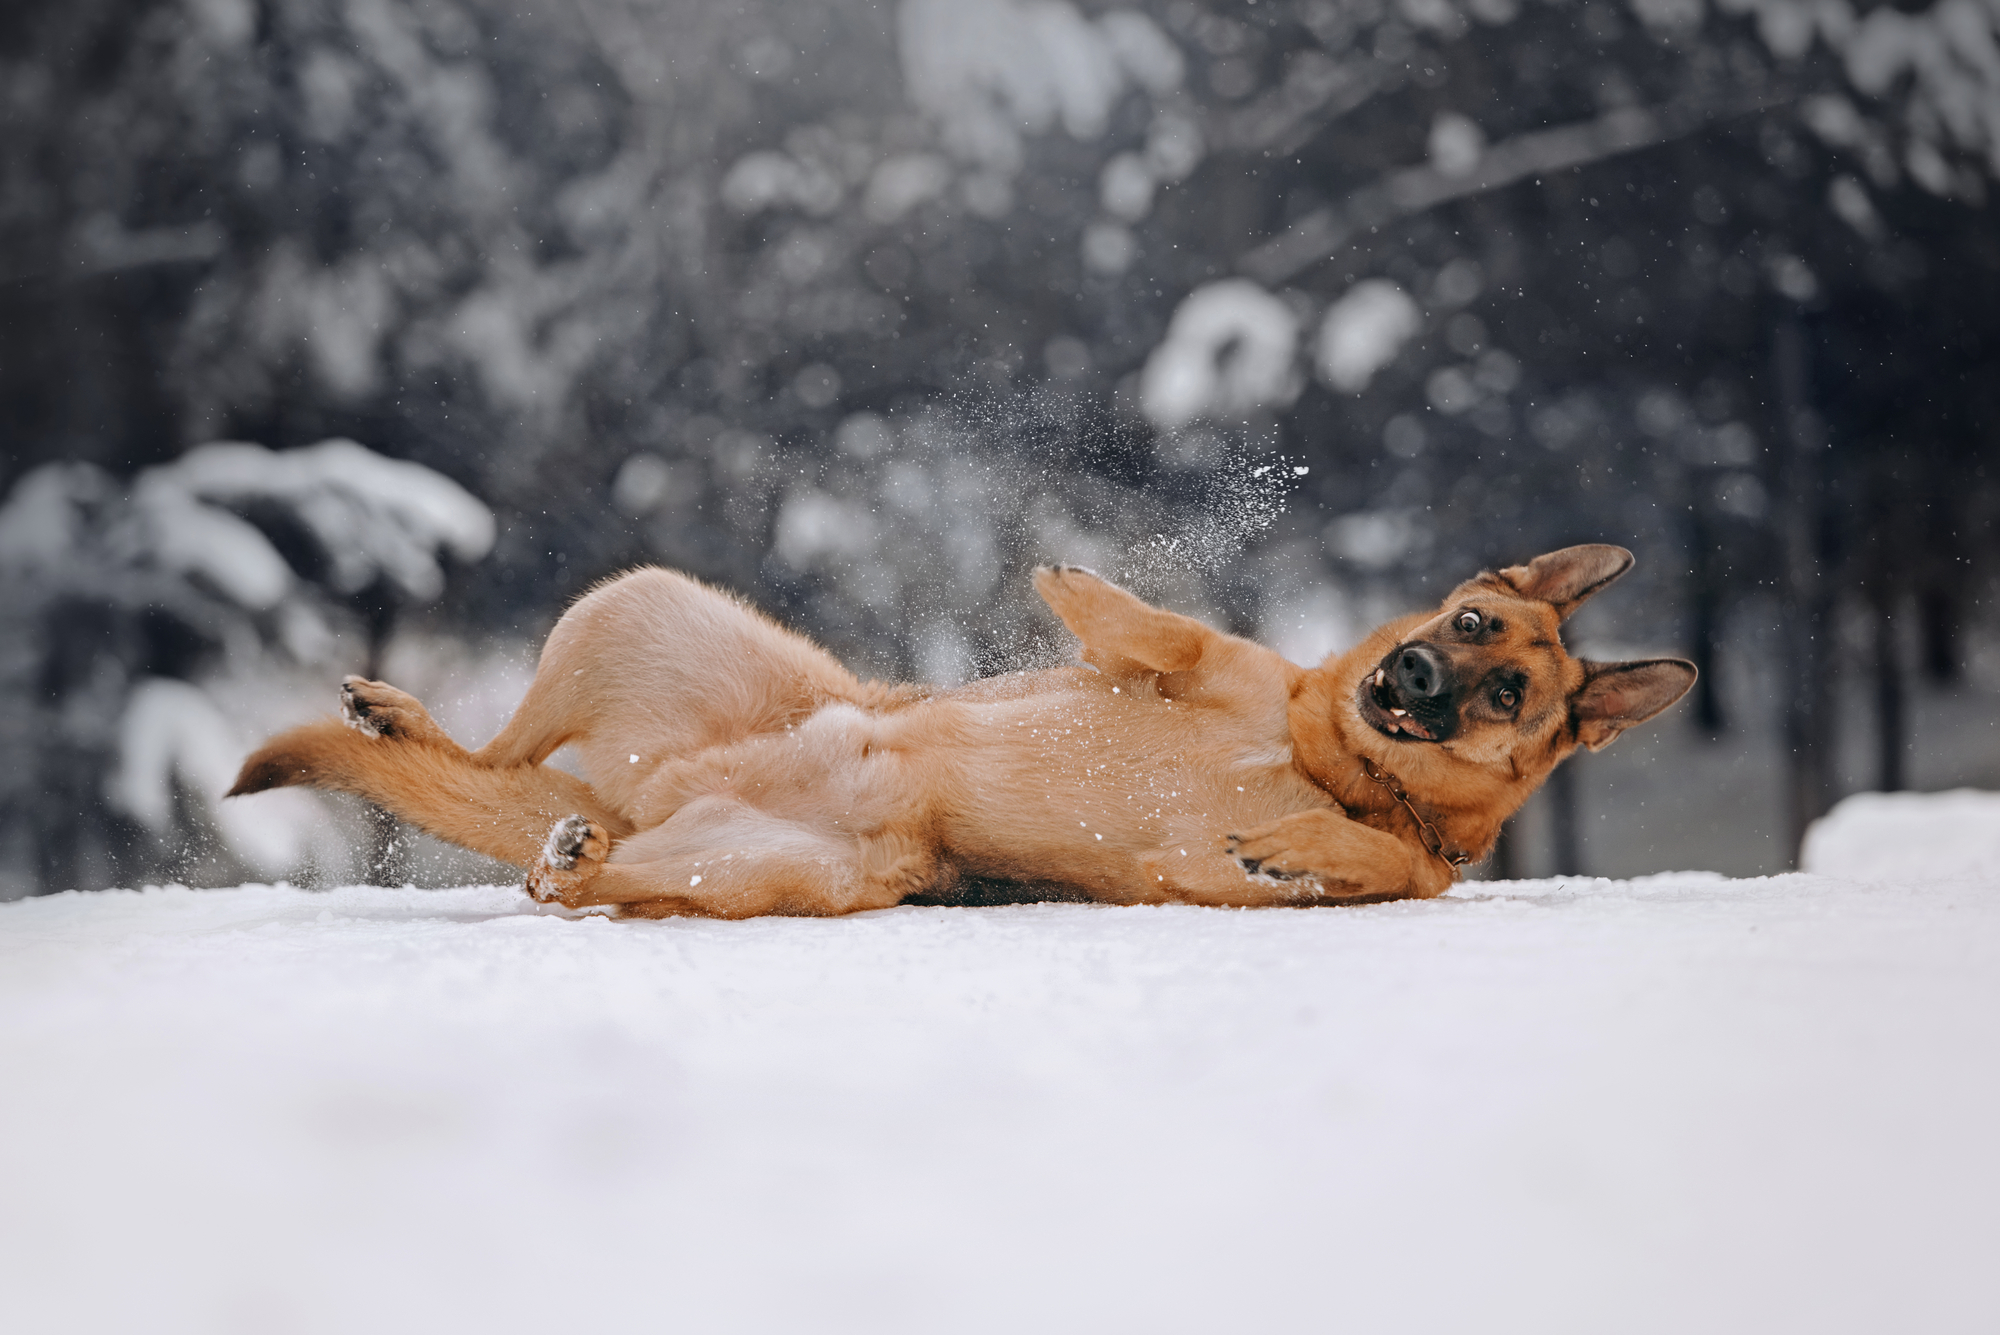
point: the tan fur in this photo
(737, 769)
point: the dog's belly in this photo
(1082, 783)
(1058, 777)
(840, 770)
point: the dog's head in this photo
(1483, 688)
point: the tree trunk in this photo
(1801, 530)
(1891, 723)
(1504, 864)
(1938, 615)
(1705, 599)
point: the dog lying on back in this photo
(737, 769)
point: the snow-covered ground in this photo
(1673, 1104)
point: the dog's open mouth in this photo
(1384, 709)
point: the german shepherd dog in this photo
(737, 769)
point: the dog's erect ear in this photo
(1566, 578)
(1614, 696)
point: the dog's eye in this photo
(1468, 622)
(1506, 697)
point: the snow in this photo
(769, 180)
(336, 317)
(1376, 539)
(1682, 1102)
(812, 524)
(45, 514)
(1887, 836)
(1949, 51)
(1456, 143)
(903, 182)
(1228, 352)
(175, 738)
(1125, 187)
(155, 546)
(1174, 146)
(373, 515)
(990, 70)
(187, 536)
(1363, 332)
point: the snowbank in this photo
(1896, 836)
(1662, 1105)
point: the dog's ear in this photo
(1614, 696)
(1566, 578)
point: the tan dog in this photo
(736, 769)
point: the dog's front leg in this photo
(1351, 861)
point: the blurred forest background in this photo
(359, 335)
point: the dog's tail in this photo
(503, 813)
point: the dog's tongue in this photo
(1407, 724)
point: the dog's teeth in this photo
(1379, 676)
(1399, 712)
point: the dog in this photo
(737, 769)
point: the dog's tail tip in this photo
(264, 771)
(306, 755)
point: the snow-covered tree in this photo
(141, 611)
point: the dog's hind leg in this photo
(1121, 632)
(388, 749)
(654, 666)
(1126, 637)
(721, 858)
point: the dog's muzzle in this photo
(1411, 695)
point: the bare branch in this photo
(103, 245)
(1413, 190)
(1314, 92)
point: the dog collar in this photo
(1433, 839)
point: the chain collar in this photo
(1433, 839)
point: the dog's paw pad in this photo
(1258, 869)
(569, 842)
(377, 709)
(355, 711)
(568, 860)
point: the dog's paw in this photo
(1283, 850)
(377, 709)
(1256, 866)
(572, 852)
(1054, 577)
(354, 713)
(574, 839)
(1318, 855)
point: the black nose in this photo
(1420, 672)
